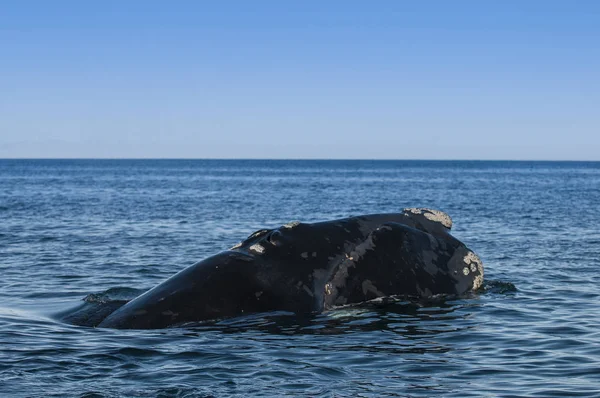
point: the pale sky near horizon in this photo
(307, 79)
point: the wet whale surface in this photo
(306, 268)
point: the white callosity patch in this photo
(413, 210)
(438, 216)
(291, 225)
(474, 263)
(432, 215)
(257, 248)
(236, 246)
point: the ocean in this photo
(111, 229)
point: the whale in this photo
(308, 268)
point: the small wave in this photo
(499, 287)
(48, 295)
(44, 239)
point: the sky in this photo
(300, 79)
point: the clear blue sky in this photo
(306, 79)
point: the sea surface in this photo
(110, 229)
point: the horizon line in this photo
(305, 159)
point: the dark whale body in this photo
(307, 268)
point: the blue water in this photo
(70, 228)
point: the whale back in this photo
(310, 267)
(220, 286)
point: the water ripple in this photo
(96, 233)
